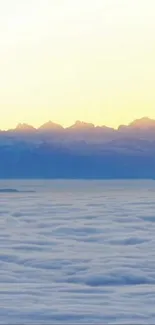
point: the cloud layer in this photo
(77, 252)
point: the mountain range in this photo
(144, 122)
(79, 151)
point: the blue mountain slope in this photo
(46, 161)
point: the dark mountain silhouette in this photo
(80, 151)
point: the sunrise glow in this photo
(66, 60)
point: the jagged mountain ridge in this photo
(143, 128)
(144, 123)
(84, 151)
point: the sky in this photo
(67, 60)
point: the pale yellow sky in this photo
(63, 60)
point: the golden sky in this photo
(63, 60)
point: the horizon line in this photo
(21, 125)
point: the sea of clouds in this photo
(76, 252)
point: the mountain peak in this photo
(24, 127)
(143, 123)
(49, 126)
(80, 125)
